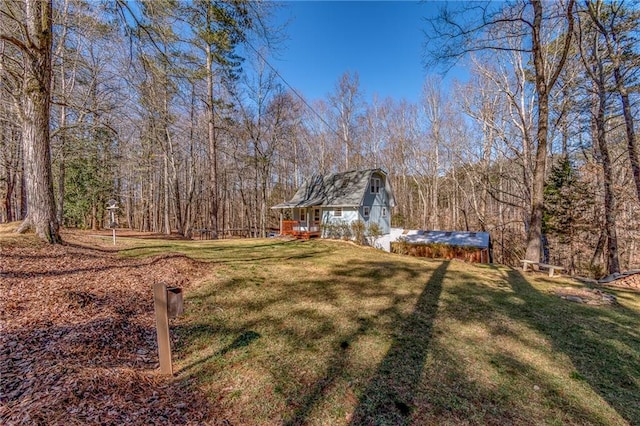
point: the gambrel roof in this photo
(336, 190)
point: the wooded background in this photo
(173, 109)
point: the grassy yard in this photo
(322, 332)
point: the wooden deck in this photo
(299, 229)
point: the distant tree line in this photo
(172, 109)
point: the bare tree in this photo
(217, 29)
(27, 26)
(346, 101)
(10, 140)
(543, 31)
(433, 109)
(592, 52)
(617, 22)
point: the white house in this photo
(339, 199)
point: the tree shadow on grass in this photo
(304, 325)
(600, 341)
(388, 398)
(243, 340)
(337, 366)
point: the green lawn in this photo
(329, 333)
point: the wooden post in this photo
(112, 217)
(162, 327)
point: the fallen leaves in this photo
(77, 338)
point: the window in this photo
(365, 211)
(384, 212)
(375, 185)
(316, 215)
(337, 212)
(303, 214)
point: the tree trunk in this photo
(61, 164)
(41, 209)
(595, 68)
(213, 144)
(543, 86)
(614, 50)
(534, 234)
(166, 216)
(632, 148)
(613, 263)
(168, 151)
(8, 196)
(7, 141)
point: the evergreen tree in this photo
(566, 199)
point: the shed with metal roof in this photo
(465, 245)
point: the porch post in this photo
(280, 222)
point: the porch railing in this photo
(295, 227)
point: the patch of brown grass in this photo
(9, 237)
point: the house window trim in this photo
(384, 212)
(366, 211)
(374, 185)
(337, 212)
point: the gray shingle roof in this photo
(335, 190)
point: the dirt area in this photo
(588, 296)
(77, 335)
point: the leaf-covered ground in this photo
(77, 337)
(280, 332)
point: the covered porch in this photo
(301, 222)
(299, 229)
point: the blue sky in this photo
(382, 41)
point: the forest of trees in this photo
(173, 109)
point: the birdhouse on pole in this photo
(112, 206)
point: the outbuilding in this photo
(469, 246)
